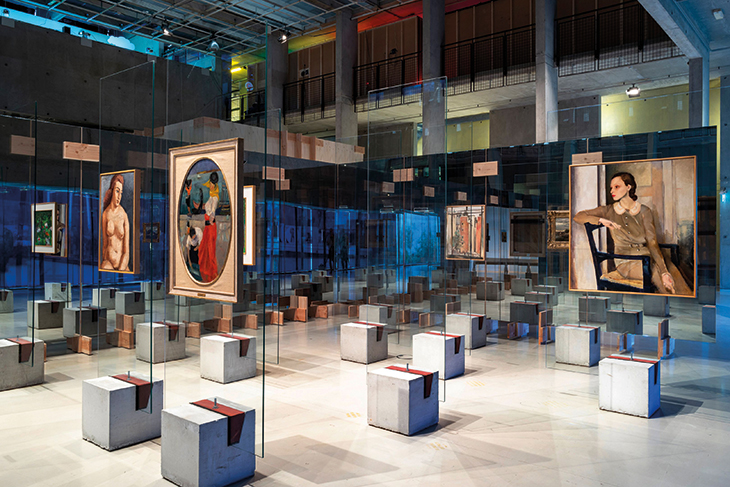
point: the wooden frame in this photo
(553, 242)
(226, 156)
(472, 216)
(151, 232)
(132, 189)
(537, 219)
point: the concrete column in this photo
(434, 97)
(699, 92)
(345, 60)
(277, 66)
(546, 76)
(723, 272)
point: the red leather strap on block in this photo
(172, 329)
(244, 341)
(4, 295)
(427, 378)
(137, 296)
(643, 360)
(25, 346)
(582, 326)
(235, 418)
(142, 388)
(112, 293)
(54, 306)
(457, 342)
(379, 327)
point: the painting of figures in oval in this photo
(465, 232)
(205, 221)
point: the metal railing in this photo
(397, 71)
(310, 99)
(247, 107)
(610, 37)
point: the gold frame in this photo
(228, 156)
(552, 216)
(133, 225)
(570, 238)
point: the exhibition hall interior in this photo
(334, 242)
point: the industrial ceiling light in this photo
(284, 36)
(6, 12)
(236, 69)
(213, 47)
(718, 13)
(633, 92)
(166, 31)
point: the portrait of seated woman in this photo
(634, 259)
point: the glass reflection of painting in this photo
(205, 221)
(465, 235)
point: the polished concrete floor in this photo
(514, 418)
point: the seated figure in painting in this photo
(632, 229)
(114, 228)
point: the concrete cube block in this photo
(593, 308)
(442, 352)
(89, 321)
(195, 449)
(153, 290)
(490, 290)
(473, 327)
(404, 402)
(43, 314)
(551, 291)
(629, 386)
(157, 342)
(318, 273)
(376, 314)
(225, 359)
(521, 286)
(298, 280)
(517, 330)
(625, 322)
(464, 277)
(706, 294)
(536, 297)
(422, 280)
(438, 302)
(390, 275)
(21, 374)
(363, 343)
(130, 303)
(527, 312)
(375, 280)
(556, 281)
(708, 320)
(58, 291)
(110, 417)
(105, 297)
(656, 306)
(578, 345)
(359, 274)
(6, 301)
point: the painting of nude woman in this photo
(119, 220)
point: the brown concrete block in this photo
(192, 329)
(124, 322)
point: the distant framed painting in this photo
(45, 222)
(248, 242)
(558, 230)
(527, 234)
(465, 232)
(206, 232)
(119, 221)
(151, 232)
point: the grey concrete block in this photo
(527, 312)
(625, 322)
(629, 386)
(537, 297)
(154, 343)
(105, 297)
(708, 320)
(371, 313)
(434, 351)
(43, 314)
(195, 450)
(473, 327)
(593, 309)
(359, 343)
(438, 302)
(556, 281)
(656, 306)
(6, 301)
(130, 303)
(58, 291)
(551, 291)
(154, 290)
(89, 321)
(706, 294)
(578, 345)
(490, 290)
(521, 286)
(221, 360)
(376, 279)
(16, 374)
(109, 414)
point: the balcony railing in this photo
(397, 71)
(248, 108)
(309, 99)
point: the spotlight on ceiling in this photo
(633, 92)
(284, 36)
(166, 30)
(6, 12)
(718, 13)
(213, 47)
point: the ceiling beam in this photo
(678, 26)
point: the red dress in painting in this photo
(206, 253)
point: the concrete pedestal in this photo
(221, 359)
(44, 314)
(105, 297)
(527, 312)
(58, 291)
(390, 276)
(625, 322)
(299, 280)
(363, 343)
(542, 298)
(521, 286)
(162, 347)
(708, 320)
(403, 402)
(464, 277)
(109, 414)
(6, 301)
(438, 302)
(375, 280)
(434, 351)
(629, 386)
(490, 290)
(153, 290)
(371, 313)
(517, 330)
(87, 321)
(706, 294)
(20, 374)
(578, 345)
(551, 291)
(130, 303)
(593, 309)
(557, 282)
(656, 306)
(474, 328)
(195, 449)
